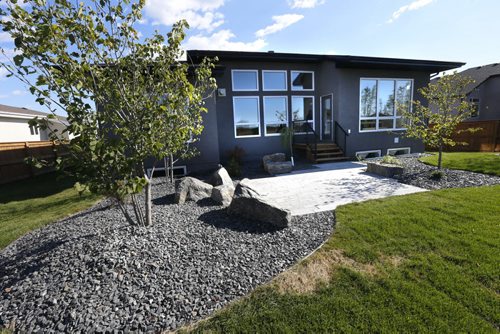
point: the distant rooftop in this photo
(21, 111)
(480, 74)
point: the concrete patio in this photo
(327, 186)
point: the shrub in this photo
(391, 160)
(437, 174)
(235, 161)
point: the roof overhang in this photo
(340, 60)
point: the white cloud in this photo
(280, 23)
(3, 96)
(200, 14)
(222, 40)
(5, 37)
(305, 3)
(407, 8)
(18, 92)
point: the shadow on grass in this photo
(36, 187)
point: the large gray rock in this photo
(276, 164)
(192, 189)
(385, 170)
(221, 177)
(223, 194)
(248, 203)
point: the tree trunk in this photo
(147, 204)
(440, 155)
(171, 170)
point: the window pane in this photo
(302, 108)
(247, 130)
(302, 80)
(368, 124)
(275, 109)
(368, 98)
(274, 80)
(386, 124)
(245, 80)
(385, 97)
(275, 128)
(400, 123)
(246, 110)
(403, 96)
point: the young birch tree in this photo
(149, 103)
(436, 122)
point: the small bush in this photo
(437, 174)
(235, 161)
(391, 160)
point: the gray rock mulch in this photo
(94, 273)
(418, 174)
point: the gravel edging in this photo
(418, 174)
(93, 273)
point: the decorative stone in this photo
(223, 194)
(248, 203)
(276, 164)
(189, 188)
(221, 177)
(385, 170)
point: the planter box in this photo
(385, 170)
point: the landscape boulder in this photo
(189, 188)
(221, 177)
(386, 170)
(248, 203)
(223, 194)
(276, 164)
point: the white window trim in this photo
(379, 152)
(264, 114)
(314, 112)
(244, 90)
(321, 114)
(398, 149)
(258, 116)
(274, 90)
(377, 117)
(302, 90)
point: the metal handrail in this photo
(339, 127)
(313, 146)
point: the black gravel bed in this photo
(418, 174)
(94, 273)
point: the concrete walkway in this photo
(328, 186)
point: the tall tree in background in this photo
(150, 103)
(447, 106)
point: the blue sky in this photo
(456, 30)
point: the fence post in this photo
(27, 155)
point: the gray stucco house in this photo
(484, 93)
(339, 106)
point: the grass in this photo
(480, 162)
(29, 204)
(425, 262)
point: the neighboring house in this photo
(259, 93)
(14, 125)
(485, 91)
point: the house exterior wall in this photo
(488, 94)
(17, 129)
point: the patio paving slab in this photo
(327, 186)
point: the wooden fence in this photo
(12, 158)
(485, 140)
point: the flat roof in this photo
(341, 61)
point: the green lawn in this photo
(28, 204)
(426, 262)
(481, 162)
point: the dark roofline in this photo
(342, 61)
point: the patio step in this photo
(324, 152)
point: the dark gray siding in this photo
(488, 94)
(348, 112)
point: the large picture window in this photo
(245, 80)
(302, 113)
(246, 116)
(382, 102)
(275, 114)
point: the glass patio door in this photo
(327, 117)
